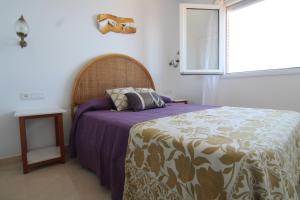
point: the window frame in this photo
(183, 39)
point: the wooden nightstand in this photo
(42, 156)
(185, 101)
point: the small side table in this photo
(42, 156)
(185, 101)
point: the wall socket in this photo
(32, 96)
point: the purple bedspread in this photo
(99, 139)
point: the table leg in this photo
(23, 144)
(56, 130)
(59, 122)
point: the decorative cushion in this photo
(145, 100)
(117, 95)
(143, 90)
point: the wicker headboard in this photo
(106, 72)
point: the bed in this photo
(180, 151)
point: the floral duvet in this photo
(221, 153)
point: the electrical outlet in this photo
(32, 96)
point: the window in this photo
(263, 35)
(201, 45)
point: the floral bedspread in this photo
(222, 153)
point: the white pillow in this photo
(117, 95)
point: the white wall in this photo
(276, 92)
(62, 38)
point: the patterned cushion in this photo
(145, 100)
(117, 95)
(143, 90)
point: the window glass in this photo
(264, 35)
(202, 39)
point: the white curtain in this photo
(210, 84)
(210, 89)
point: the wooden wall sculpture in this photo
(110, 23)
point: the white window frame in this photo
(183, 39)
(262, 73)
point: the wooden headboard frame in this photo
(106, 72)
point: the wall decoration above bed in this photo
(110, 23)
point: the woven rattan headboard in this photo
(106, 72)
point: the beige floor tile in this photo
(67, 181)
(60, 182)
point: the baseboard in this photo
(18, 158)
(10, 160)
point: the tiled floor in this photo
(56, 182)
